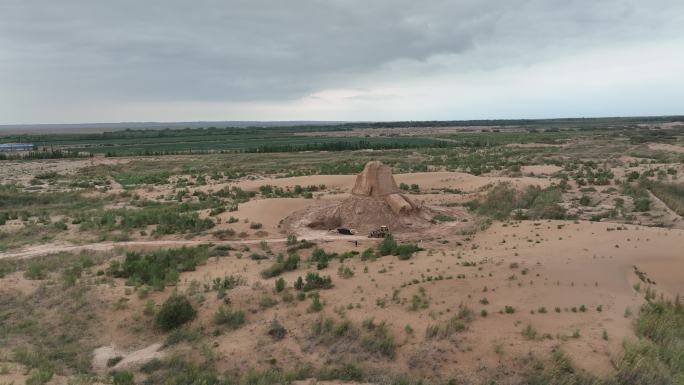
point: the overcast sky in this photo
(70, 61)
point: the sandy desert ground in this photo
(481, 296)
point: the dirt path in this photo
(46, 249)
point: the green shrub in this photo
(276, 330)
(281, 265)
(377, 339)
(230, 318)
(222, 285)
(321, 258)
(316, 304)
(368, 255)
(405, 251)
(585, 200)
(299, 284)
(456, 324)
(35, 270)
(279, 285)
(345, 272)
(529, 332)
(502, 199)
(176, 311)
(387, 246)
(267, 301)
(672, 194)
(176, 336)
(122, 378)
(642, 204)
(161, 267)
(40, 376)
(313, 281)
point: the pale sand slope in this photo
(545, 169)
(578, 264)
(666, 147)
(574, 265)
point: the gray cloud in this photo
(71, 51)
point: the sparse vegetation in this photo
(159, 268)
(55, 310)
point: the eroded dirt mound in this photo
(375, 201)
(361, 213)
(375, 180)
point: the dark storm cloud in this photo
(259, 50)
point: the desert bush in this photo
(228, 282)
(230, 318)
(371, 337)
(279, 285)
(178, 371)
(316, 304)
(174, 312)
(529, 332)
(168, 218)
(387, 246)
(405, 251)
(40, 376)
(642, 204)
(35, 271)
(257, 257)
(281, 265)
(456, 324)
(345, 272)
(377, 339)
(321, 258)
(276, 330)
(657, 357)
(368, 255)
(178, 335)
(670, 193)
(159, 268)
(267, 301)
(301, 244)
(224, 234)
(122, 378)
(313, 281)
(503, 199)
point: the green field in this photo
(288, 139)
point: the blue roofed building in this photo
(16, 146)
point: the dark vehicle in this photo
(345, 231)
